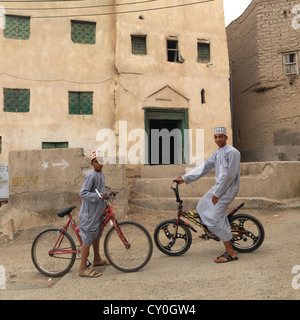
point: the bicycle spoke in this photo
(51, 261)
(167, 243)
(247, 233)
(130, 254)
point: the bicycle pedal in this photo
(204, 237)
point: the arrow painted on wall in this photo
(64, 163)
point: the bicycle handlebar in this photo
(176, 191)
(111, 193)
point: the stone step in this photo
(160, 171)
(160, 187)
(262, 185)
(276, 181)
(170, 204)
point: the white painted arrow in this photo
(64, 163)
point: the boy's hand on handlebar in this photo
(113, 194)
(104, 196)
(179, 180)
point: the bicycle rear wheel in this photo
(133, 255)
(247, 232)
(53, 253)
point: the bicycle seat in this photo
(65, 212)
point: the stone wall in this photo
(45, 181)
(265, 100)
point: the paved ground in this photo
(264, 274)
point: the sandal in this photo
(226, 256)
(102, 263)
(90, 273)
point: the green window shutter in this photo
(55, 145)
(203, 52)
(81, 102)
(74, 103)
(16, 100)
(86, 102)
(17, 27)
(83, 32)
(138, 45)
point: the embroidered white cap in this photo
(96, 154)
(222, 130)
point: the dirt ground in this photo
(265, 274)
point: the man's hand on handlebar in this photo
(179, 180)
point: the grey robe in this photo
(226, 162)
(92, 207)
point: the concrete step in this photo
(274, 180)
(160, 187)
(170, 204)
(255, 186)
(262, 185)
(174, 171)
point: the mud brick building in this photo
(69, 70)
(264, 50)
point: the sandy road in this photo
(265, 274)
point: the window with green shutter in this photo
(83, 32)
(80, 102)
(203, 52)
(55, 145)
(138, 45)
(16, 100)
(17, 27)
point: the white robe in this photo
(226, 162)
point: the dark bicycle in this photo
(173, 236)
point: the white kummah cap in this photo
(222, 130)
(95, 154)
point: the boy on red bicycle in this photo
(90, 216)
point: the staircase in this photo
(263, 185)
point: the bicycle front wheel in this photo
(165, 241)
(53, 253)
(128, 247)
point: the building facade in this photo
(71, 74)
(264, 50)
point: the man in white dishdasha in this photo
(212, 207)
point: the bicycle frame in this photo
(108, 214)
(61, 236)
(191, 215)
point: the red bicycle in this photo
(127, 245)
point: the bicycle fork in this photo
(173, 236)
(121, 235)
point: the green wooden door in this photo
(157, 119)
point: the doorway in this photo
(165, 129)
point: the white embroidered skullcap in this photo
(222, 130)
(95, 154)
